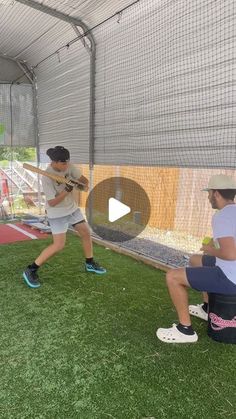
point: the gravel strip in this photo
(168, 247)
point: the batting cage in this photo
(141, 93)
(117, 112)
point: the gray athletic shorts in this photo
(61, 224)
(210, 278)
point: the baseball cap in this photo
(59, 153)
(220, 182)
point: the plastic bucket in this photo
(222, 318)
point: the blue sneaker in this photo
(31, 278)
(94, 267)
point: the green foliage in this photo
(2, 129)
(18, 153)
(4, 163)
(19, 203)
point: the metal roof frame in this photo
(92, 51)
(59, 15)
(21, 64)
(7, 57)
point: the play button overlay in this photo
(118, 209)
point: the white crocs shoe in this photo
(198, 311)
(173, 335)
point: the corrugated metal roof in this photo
(29, 34)
(22, 27)
(89, 11)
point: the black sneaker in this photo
(31, 278)
(94, 267)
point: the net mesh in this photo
(164, 114)
(164, 91)
(17, 124)
(180, 211)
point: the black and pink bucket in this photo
(222, 318)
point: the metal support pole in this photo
(25, 69)
(77, 22)
(92, 52)
(10, 196)
(91, 128)
(35, 105)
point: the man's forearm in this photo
(220, 253)
(85, 181)
(60, 197)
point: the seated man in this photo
(214, 272)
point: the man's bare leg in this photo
(178, 289)
(195, 261)
(57, 245)
(83, 231)
(177, 284)
(30, 274)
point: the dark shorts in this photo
(210, 278)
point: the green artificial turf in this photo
(84, 346)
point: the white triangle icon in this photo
(116, 209)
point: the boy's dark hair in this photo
(227, 193)
(58, 153)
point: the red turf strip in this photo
(10, 235)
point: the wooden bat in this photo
(60, 179)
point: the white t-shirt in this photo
(51, 189)
(224, 225)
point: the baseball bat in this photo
(57, 178)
